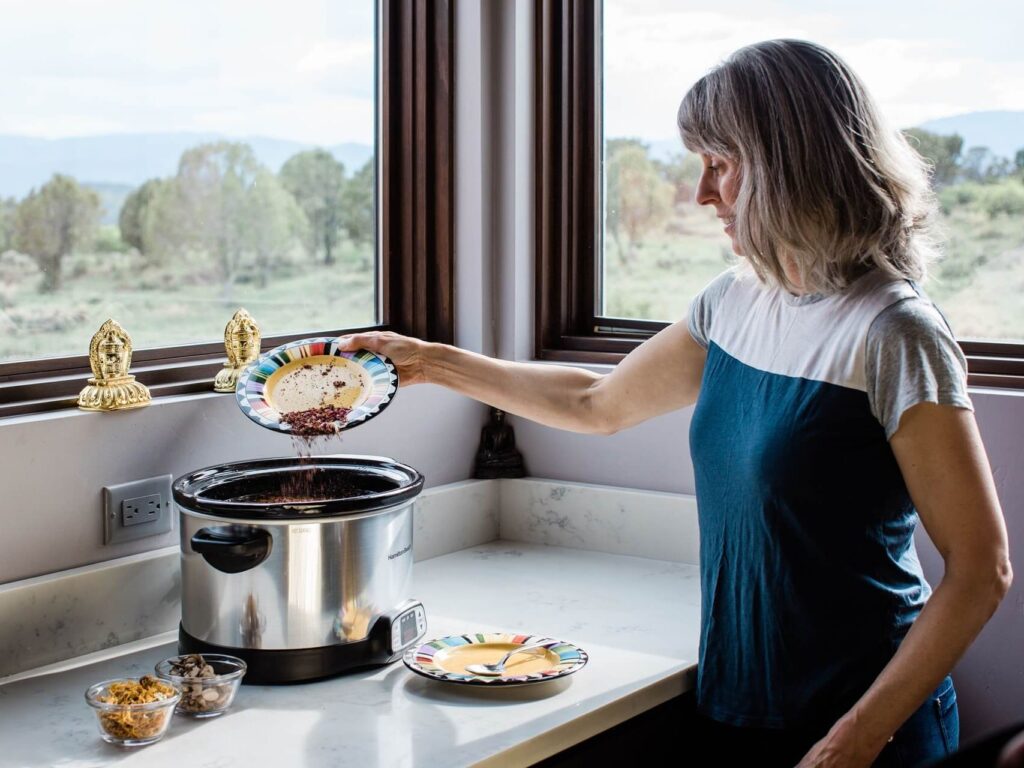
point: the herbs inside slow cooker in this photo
(305, 485)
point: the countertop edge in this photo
(592, 723)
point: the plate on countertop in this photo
(446, 658)
(314, 373)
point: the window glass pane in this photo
(955, 79)
(167, 163)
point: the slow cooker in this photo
(302, 567)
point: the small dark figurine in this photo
(497, 455)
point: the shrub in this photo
(958, 196)
(1006, 196)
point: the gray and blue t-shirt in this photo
(809, 574)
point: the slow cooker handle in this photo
(232, 549)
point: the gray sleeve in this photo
(912, 357)
(702, 308)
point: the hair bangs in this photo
(700, 118)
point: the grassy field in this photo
(177, 304)
(978, 284)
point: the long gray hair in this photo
(824, 180)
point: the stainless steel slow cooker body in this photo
(282, 576)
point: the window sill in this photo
(32, 387)
(67, 409)
(60, 393)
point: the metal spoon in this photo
(499, 668)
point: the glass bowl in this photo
(131, 725)
(205, 696)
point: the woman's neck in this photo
(793, 275)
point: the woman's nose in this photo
(707, 189)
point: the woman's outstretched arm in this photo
(660, 375)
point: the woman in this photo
(831, 412)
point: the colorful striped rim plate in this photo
(373, 378)
(444, 659)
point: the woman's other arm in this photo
(944, 465)
(661, 375)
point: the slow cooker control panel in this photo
(408, 626)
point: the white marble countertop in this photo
(637, 618)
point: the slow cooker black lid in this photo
(375, 483)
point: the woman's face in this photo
(718, 186)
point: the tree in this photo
(682, 171)
(637, 199)
(224, 204)
(211, 193)
(998, 168)
(132, 218)
(357, 205)
(8, 207)
(976, 163)
(942, 152)
(1018, 161)
(163, 220)
(50, 223)
(275, 222)
(317, 181)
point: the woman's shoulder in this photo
(706, 303)
(722, 281)
(907, 311)
(912, 356)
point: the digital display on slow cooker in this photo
(408, 627)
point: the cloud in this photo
(654, 52)
(302, 70)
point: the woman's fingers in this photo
(353, 341)
(403, 351)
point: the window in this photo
(607, 281)
(167, 166)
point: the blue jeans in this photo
(932, 732)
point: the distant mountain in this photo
(1001, 132)
(131, 159)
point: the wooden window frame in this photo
(414, 268)
(568, 203)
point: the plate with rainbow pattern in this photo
(314, 373)
(446, 658)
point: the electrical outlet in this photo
(141, 510)
(137, 510)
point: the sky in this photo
(921, 60)
(293, 69)
(303, 69)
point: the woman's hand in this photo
(841, 748)
(407, 354)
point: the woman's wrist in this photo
(432, 367)
(860, 734)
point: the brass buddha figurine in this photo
(111, 387)
(242, 343)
